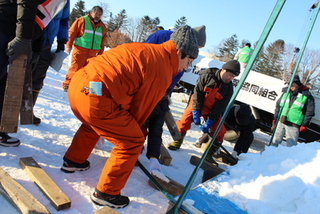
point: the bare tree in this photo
(117, 38)
(309, 66)
(139, 30)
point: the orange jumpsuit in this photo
(80, 54)
(134, 78)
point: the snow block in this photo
(211, 202)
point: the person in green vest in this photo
(298, 108)
(243, 55)
(87, 38)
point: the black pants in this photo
(154, 124)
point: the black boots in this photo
(36, 120)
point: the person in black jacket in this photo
(211, 95)
(17, 30)
(240, 120)
(298, 108)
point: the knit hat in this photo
(185, 40)
(233, 66)
(296, 80)
(201, 35)
(243, 114)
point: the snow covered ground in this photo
(279, 180)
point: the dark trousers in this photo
(40, 71)
(3, 66)
(154, 124)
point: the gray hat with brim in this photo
(185, 40)
(232, 66)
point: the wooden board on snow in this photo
(58, 199)
(14, 192)
(106, 210)
(172, 187)
(194, 160)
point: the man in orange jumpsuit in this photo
(211, 95)
(113, 95)
(88, 36)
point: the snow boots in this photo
(177, 143)
(6, 140)
(36, 120)
(113, 201)
(70, 166)
(215, 146)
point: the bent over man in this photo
(113, 95)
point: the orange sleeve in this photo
(76, 30)
(104, 38)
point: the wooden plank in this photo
(186, 208)
(171, 124)
(26, 110)
(58, 199)
(194, 160)
(23, 199)
(226, 158)
(222, 156)
(13, 95)
(106, 210)
(173, 187)
(165, 157)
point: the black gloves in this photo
(18, 46)
(60, 46)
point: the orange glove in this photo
(302, 129)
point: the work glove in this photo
(196, 117)
(206, 126)
(18, 46)
(154, 165)
(60, 46)
(302, 129)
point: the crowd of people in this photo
(122, 94)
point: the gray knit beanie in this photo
(233, 66)
(185, 40)
(201, 35)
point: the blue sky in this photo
(223, 18)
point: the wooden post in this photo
(13, 95)
(58, 199)
(26, 111)
(165, 157)
(171, 124)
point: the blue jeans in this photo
(291, 133)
